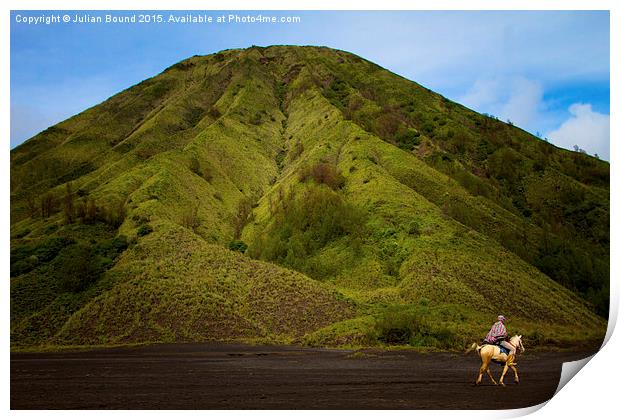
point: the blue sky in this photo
(546, 71)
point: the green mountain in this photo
(301, 195)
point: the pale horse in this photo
(491, 352)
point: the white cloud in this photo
(521, 101)
(586, 128)
(446, 51)
(482, 94)
(517, 99)
(524, 103)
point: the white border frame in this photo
(591, 394)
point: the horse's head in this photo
(518, 343)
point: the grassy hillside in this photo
(370, 211)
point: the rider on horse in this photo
(499, 336)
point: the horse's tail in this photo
(473, 346)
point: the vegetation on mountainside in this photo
(551, 189)
(301, 195)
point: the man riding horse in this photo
(498, 335)
(490, 351)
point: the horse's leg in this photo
(501, 380)
(480, 373)
(483, 368)
(491, 376)
(516, 374)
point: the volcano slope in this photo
(301, 195)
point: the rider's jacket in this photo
(497, 332)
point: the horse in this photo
(491, 352)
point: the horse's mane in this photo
(516, 340)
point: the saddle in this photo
(503, 349)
